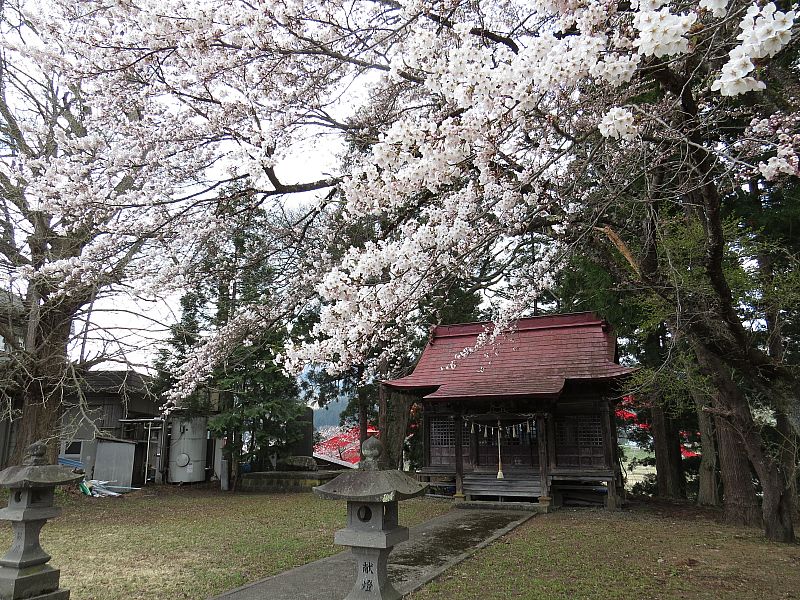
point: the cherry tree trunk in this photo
(45, 381)
(394, 408)
(777, 507)
(41, 419)
(363, 419)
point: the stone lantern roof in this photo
(372, 482)
(36, 473)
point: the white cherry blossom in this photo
(764, 32)
(618, 123)
(461, 132)
(662, 33)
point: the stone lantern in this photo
(372, 493)
(24, 572)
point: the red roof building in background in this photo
(343, 448)
(523, 415)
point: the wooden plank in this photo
(550, 424)
(542, 443)
(503, 492)
(426, 436)
(608, 435)
(515, 494)
(501, 483)
(436, 473)
(484, 488)
(569, 473)
(490, 492)
(459, 434)
(499, 489)
(586, 488)
(494, 479)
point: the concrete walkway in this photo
(433, 547)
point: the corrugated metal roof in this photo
(534, 358)
(117, 381)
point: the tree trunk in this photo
(777, 500)
(666, 440)
(740, 504)
(669, 472)
(777, 506)
(787, 444)
(236, 456)
(45, 379)
(363, 421)
(41, 416)
(788, 455)
(393, 423)
(708, 492)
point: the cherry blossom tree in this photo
(469, 133)
(104, 209)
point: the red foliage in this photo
(343, 447)
(630, 418)
(686, 453)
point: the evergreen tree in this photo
(258, 404)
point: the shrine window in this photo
(579, 442)
(443, 441)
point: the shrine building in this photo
(528, 417)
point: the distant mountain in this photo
(329, 416)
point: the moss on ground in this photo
(652, 551)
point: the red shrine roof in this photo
(533, 358)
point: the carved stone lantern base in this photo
(31, 583)
(372, 580)
(24, 572)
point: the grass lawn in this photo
(653, 551)
(167, 543)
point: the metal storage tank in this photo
(187, 449)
